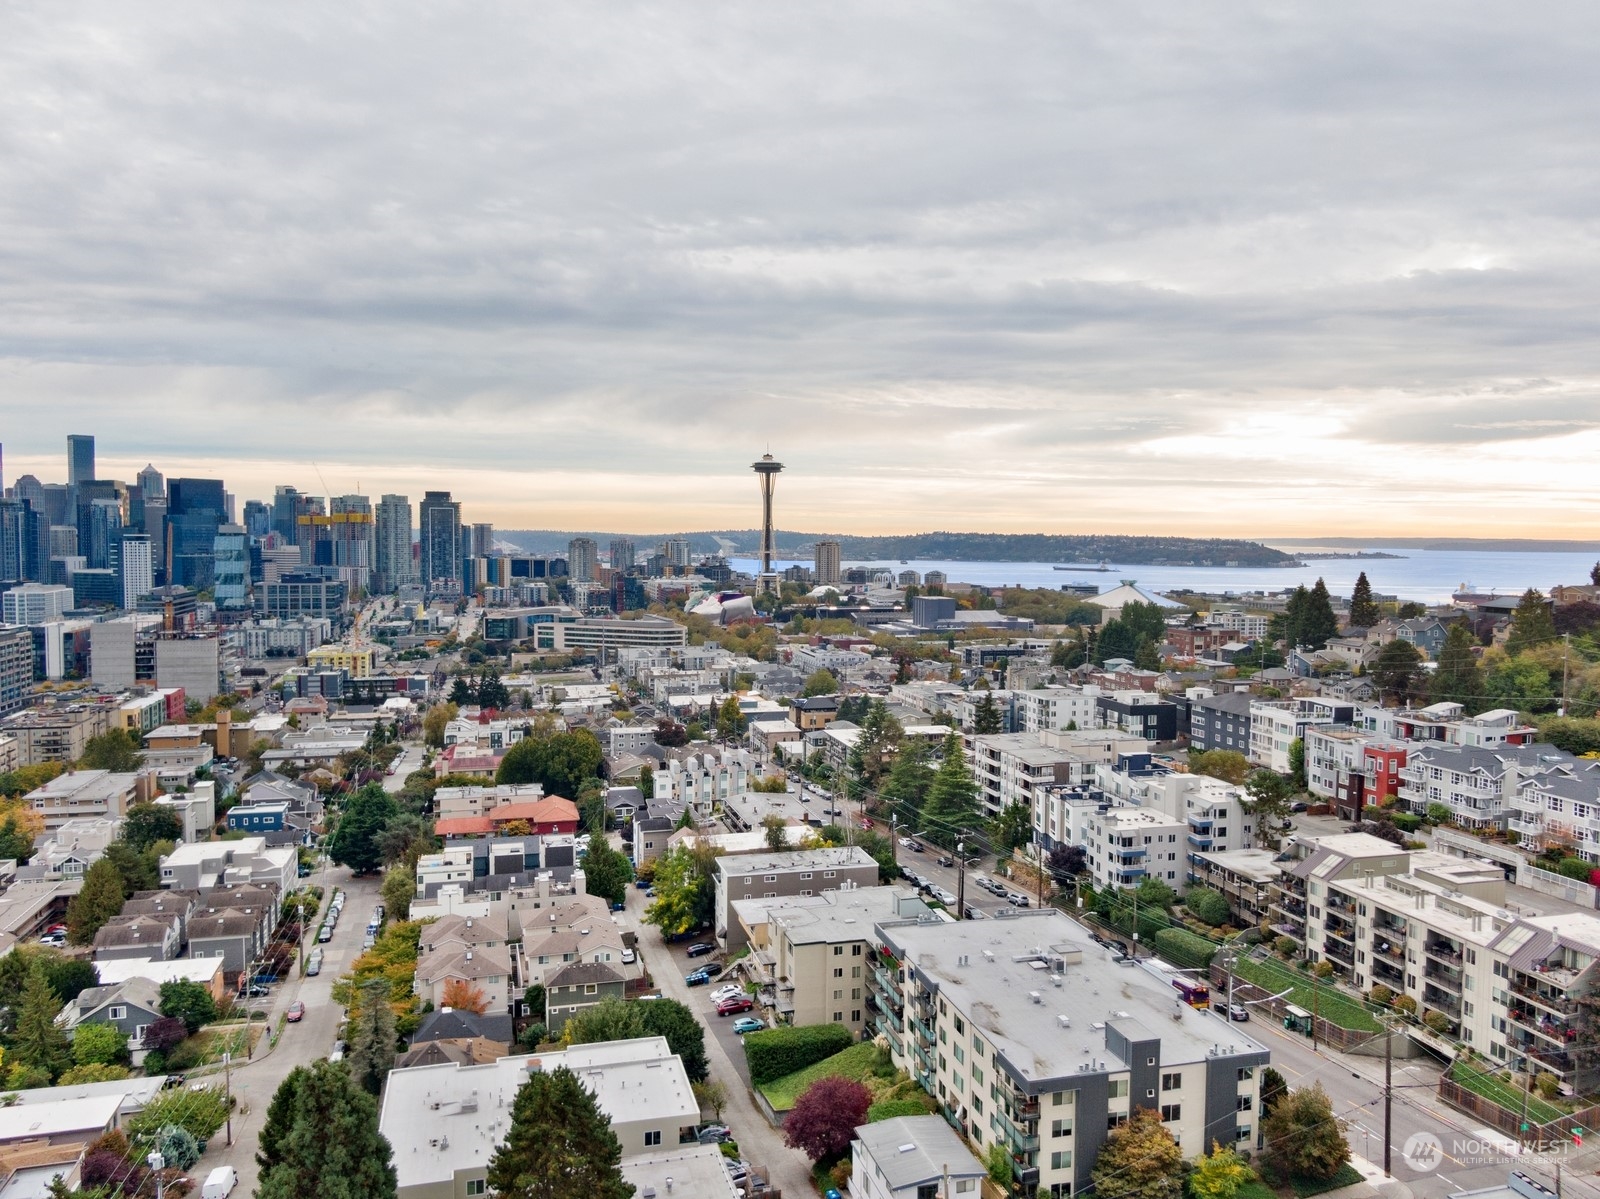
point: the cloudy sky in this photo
(1246, 270)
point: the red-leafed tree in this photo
(464, 996)
(824, 1119)
(164, 1034)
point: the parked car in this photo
(714, 1134)
(696, 978)
(906, 842)
(972, 913)
(1300, 806)
(726, 991)
(629, 957)
(642, 883)
(946, 860)
(746, 1024)
(1238, 1011)
(325, 933)
(700, 948)
(296, 1012)
(313, 965)
(1017, 899)
(338, 1052)
(257, 991)
(738, 1003)
(712, 968)
(55, 939)
(943, 896)
(916, 847)
(368, 941)
(618, 906)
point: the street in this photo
(255, 1082)
(759, 1143)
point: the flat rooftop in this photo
(839, 915)
(993, 969)
(795, 859)
(697, 1170)
(448, 1117)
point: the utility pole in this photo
(227, 1082)
(1388, 1097)
(961, 880)
(894, 839)
(1315, 1011)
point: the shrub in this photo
(778, 1051)
(1408, 822)
(1406, 1005)
(1207, 905)
(824, 1118)
(1574, 868)
(1549, 1086)
(1184, 948)
(1437, 1021)
(1380, 994)
(1323, 969)
(1284, 946)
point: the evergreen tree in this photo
(462, 691)
(870, 757)
(100, 900)
(1457, 679)
(1395, 671)
(280, 1119)
(607, 871)
(333, 1148)
(1320, 622)
(355, 841)
(909, 779)
(1531, 624)
(492, 693)
(1363, 608)
(986, 715)
(560, 1144)
(1147, 656)
(372, 1037)
(38, 1042)
(952, 803)
(1116, 640)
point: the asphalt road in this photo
(255, 1082)
(759, 1143)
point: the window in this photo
(117, 1013)
(829, 873)
(855, 950)
(1116, 1120)
(1246, 1073)
(477, 1186)
(855, 1016)
(769, 878)
(1061, 1128)
(591, 988)
(838, 972)
(804, 874)
(1171, 1111)
(1118, 1089)
(1061, 1159)
(1245, 1104)
(653, 1137)
(1064, 1098)
(965, 1186)
(838, 1017)
(838, 950)
(1171, 1082)
(838, 993)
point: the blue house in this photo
(259, 817)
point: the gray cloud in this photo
(929, 240)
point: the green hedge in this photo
(890, 1108)
(1184, 948)
(779, 1051)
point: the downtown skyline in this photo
(1265, 275)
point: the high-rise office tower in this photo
(583, 560)
(257, 518)
(135, 567)
(767, 472)
(194, 510)
(827, 563)
(622, 554)
(230, 554)
(482, 540)
(392, 548)
(440, 542)
(87, 495)
(63, 541)
(307, 508)
(19, 542)
(105, 526)
(152, 484)
(285, 511)
(80, 458)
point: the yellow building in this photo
(360, 663)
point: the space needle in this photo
(767, 471)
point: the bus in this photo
(1194, 992)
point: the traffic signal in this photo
(1577, 1134)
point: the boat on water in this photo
(1104, 568)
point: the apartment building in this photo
(1221, 721)
(1127, 845)
(1030, 1038)
(775, 875)
(1478, 786)
(1013, 768)
(16, 667)
(1275, 725)
(1137, 713)
(910, 1157)
(1303, 885)
(1244, 877)
(1448, 723)
(1560, 806)
(1056, 709)
(701, 781)
(449, 1119)
(84, 793)
(59, 733)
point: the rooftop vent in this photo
(1065, 1021)
(1036, 997)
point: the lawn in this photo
(1347, 1176)
(1481, 1082)
(211, 1043)
(861, 1062)
(1332, 1005)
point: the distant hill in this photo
(957, 547)
(1501, 545)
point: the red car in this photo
(739, 1003)
(296, 1012)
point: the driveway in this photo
(759, 1143)
(255, 1082)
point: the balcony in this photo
(1339, 954)
(1200, 823)
(1554, 1031)
(1444, 951)
(887, 980)
(1129, 853)
(1558, 1002)
(922, 1055)
(923, 1031)
(1445, 1002)
(1385, 971)
(1395, 951)
(1447, 977)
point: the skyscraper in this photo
(257, 518)
(827, 563)
(767, 472)
(622, 554)
(194, 510)
(231, 567)
(482, 540)
(80, 458)
(135, 567)
(19, 542)
(392, 547)
(676, 551)
(441, 556)
(285, 511)
(105, 526)
(583, 560)
(152, 484)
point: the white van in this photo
(219, 1183)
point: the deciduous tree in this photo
(147, 823)
(1218, 1174)
(115, 750)
(1229, 765)
(189, 1001)
(462, 995)
(1303, 1138)
(1140, 1160)
(820, 682)
(560, 763)
(100, 900)
(824, 1118)
(684, 894)
(560, 1144)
